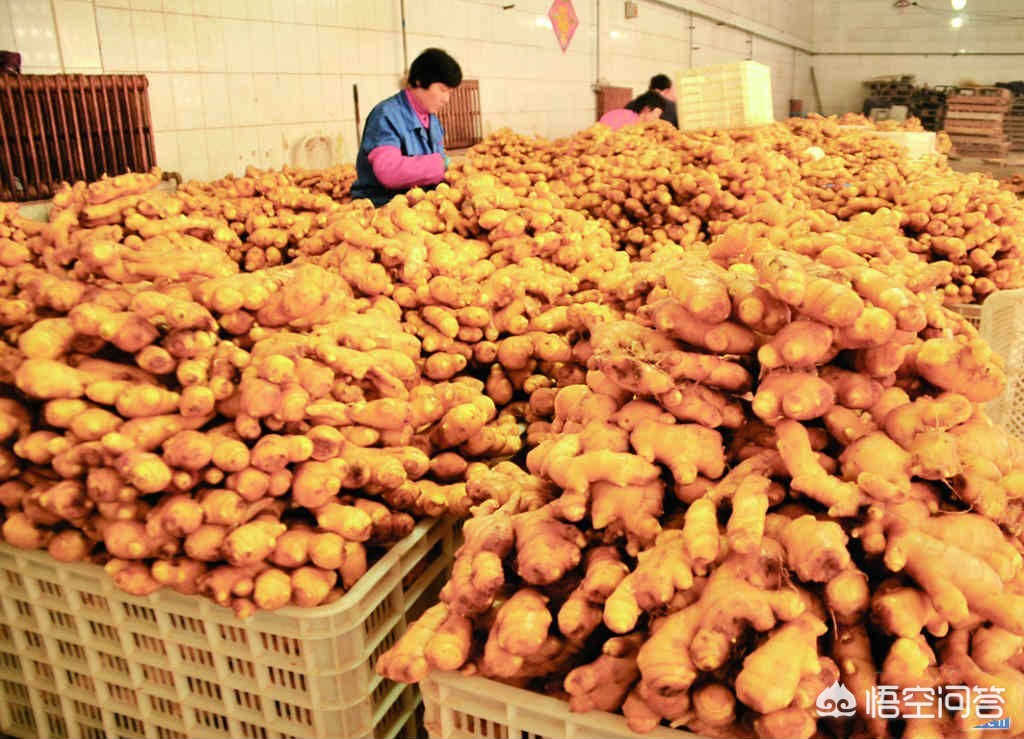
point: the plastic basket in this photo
(461, 707)
(80, 658)
(725, 96)
(1000, 321)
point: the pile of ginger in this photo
(257, 437)
(651, 185)
(707, 417)
(777, 475)
(260, 435)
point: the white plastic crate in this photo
(916, 143)
(724, 96)
(461, 707)
(1000, 321)
(81, 658)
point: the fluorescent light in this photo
(957, 21)
(614, 35)
(958, 4)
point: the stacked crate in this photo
(81, 658)
(928, 104)
(1014, 126)
(974, 121)
(891, 89)
(724, 96)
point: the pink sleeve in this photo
(398, 172)
(616, 119)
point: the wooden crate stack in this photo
(892, 89)
(929, 105)
(975, 119)
(924, 102)
(1015, 124)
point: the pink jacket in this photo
(616, 119)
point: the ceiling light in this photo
(958, 4)
(957, 21)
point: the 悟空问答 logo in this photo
(835, 701)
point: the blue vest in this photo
(393, 122)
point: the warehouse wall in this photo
(232, 82)
(854, 39)
(526, 82)
(248, 81)
(668, 39)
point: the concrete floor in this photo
(1014, 164)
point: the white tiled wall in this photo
(526, 82)
(33, 32)
(855, 39)
(667, 40)
(788, 21)
(80, 51)
(658, 40)
(234, 82)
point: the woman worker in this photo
(403, 141)
(646, 107)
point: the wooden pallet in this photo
(975, 100)
(982, 108)
(981, 96)
(968, 130)
(994, 94)
(970, 140)
(883, 79)
(982, 151)
(972, 115)
(973, 138)
(992, 123)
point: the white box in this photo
(916, 143)
(723, 96)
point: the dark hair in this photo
(434, 65)
(649, 99)
(660, 82)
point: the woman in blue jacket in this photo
(403, 142)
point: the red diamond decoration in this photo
(564, 21)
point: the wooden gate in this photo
(67, 127)
(461, 116)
